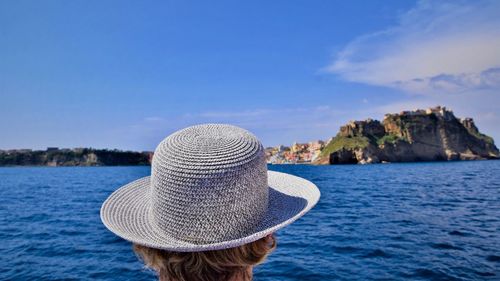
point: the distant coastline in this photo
(434, 134)
(55, 157)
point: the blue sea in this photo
(418, 221)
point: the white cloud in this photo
(436, 47)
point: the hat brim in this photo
(126, 213)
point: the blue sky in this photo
(125, 74)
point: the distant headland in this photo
(434, 134)
(54, 156)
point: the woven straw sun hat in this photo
(209, 189)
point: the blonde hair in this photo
(218, 265)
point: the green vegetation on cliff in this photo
(484, 137)
(434, 134)
(389, 138)
(340, 142)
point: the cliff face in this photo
(74, 157)
(424, 135)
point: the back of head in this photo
(208, 200)
(218, 265)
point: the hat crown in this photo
(208, 183)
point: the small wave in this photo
(493, 258)
(444, 246)
(100, 274)
(345, 249)
(70, 232)
(111, 239)
(377, 254)
(34, 217)
(484, 274)
(403, 222)
(458, 233)
(430, 274)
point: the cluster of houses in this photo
(297, 153)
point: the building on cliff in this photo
(434, 134)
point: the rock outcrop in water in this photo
(434, 134)
(73, 157)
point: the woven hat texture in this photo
(209, 189)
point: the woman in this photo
(209, 208)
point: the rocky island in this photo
(54, 156)
(434, 134)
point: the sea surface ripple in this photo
(419, 221)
